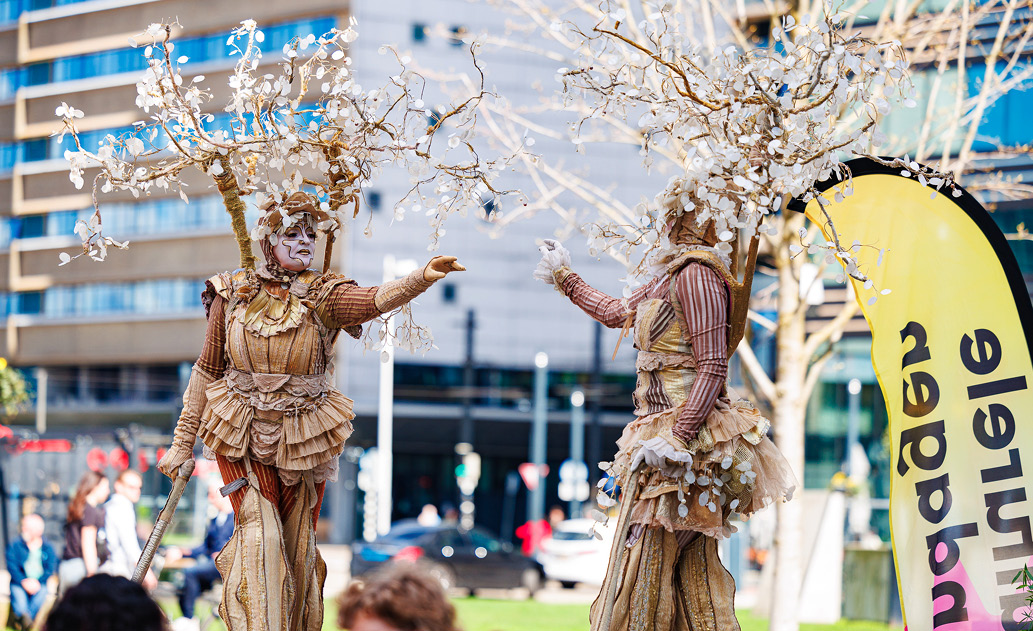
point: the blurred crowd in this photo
(87, 586)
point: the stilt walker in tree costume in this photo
(261, 397)
(696, 454)
(305, 143)
(742, 131)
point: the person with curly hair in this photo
(401, 597)
(106, 603)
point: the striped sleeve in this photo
(610, 311)
(704, 299)
(348, 305)
(213, 354)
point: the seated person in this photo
(200, 577)
(30, 561)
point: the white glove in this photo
(659, 454)
(554, 256)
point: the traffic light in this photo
(468, 472)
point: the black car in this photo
(459, 558)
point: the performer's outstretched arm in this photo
(554, 269)
(347, 304)
(611, 312)
(704, 300)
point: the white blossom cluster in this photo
(746, 129)
(300, 123)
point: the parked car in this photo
(459, 558)
(572, 555)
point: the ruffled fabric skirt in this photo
(660, 577)
(730, 468)
(307, 438)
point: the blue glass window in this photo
(144, 297)
(198, 49)
(28, 302)
(1006, 122)
(29, 226)
(35, 149)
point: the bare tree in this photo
(682, 80)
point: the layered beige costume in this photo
(710, 454)
(262, 399)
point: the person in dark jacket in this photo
(200, 576)
(30, 561)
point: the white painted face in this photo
(296, 245)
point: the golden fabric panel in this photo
(667, 587)
(257, 584)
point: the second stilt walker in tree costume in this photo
(742, 131)
(262, 399)
(696, 454)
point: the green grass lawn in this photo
(477, 614)
(482, 614)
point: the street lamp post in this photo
(577, 444)
(853, 422)
(385, 410)
(536, 505)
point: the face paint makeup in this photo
(296, 245)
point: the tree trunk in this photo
(788, 424)
(227, 183)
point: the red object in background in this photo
(408, 553)
(532, 534)
(532, 475)
(96, 459)
(118, 459)
(6, 432)
(141, 458)
(58, 445)
(204, 468)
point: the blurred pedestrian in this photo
(201, 576)
(106, 603)
(30, 562)
(85, 545)
(120, 525)
(429, 516)
(531, 535)
(450, 514)
(556, 515)
(401, 597)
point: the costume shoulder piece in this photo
(705, 257)
(322, 287)
(225, 284)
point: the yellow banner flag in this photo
(951, 346)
